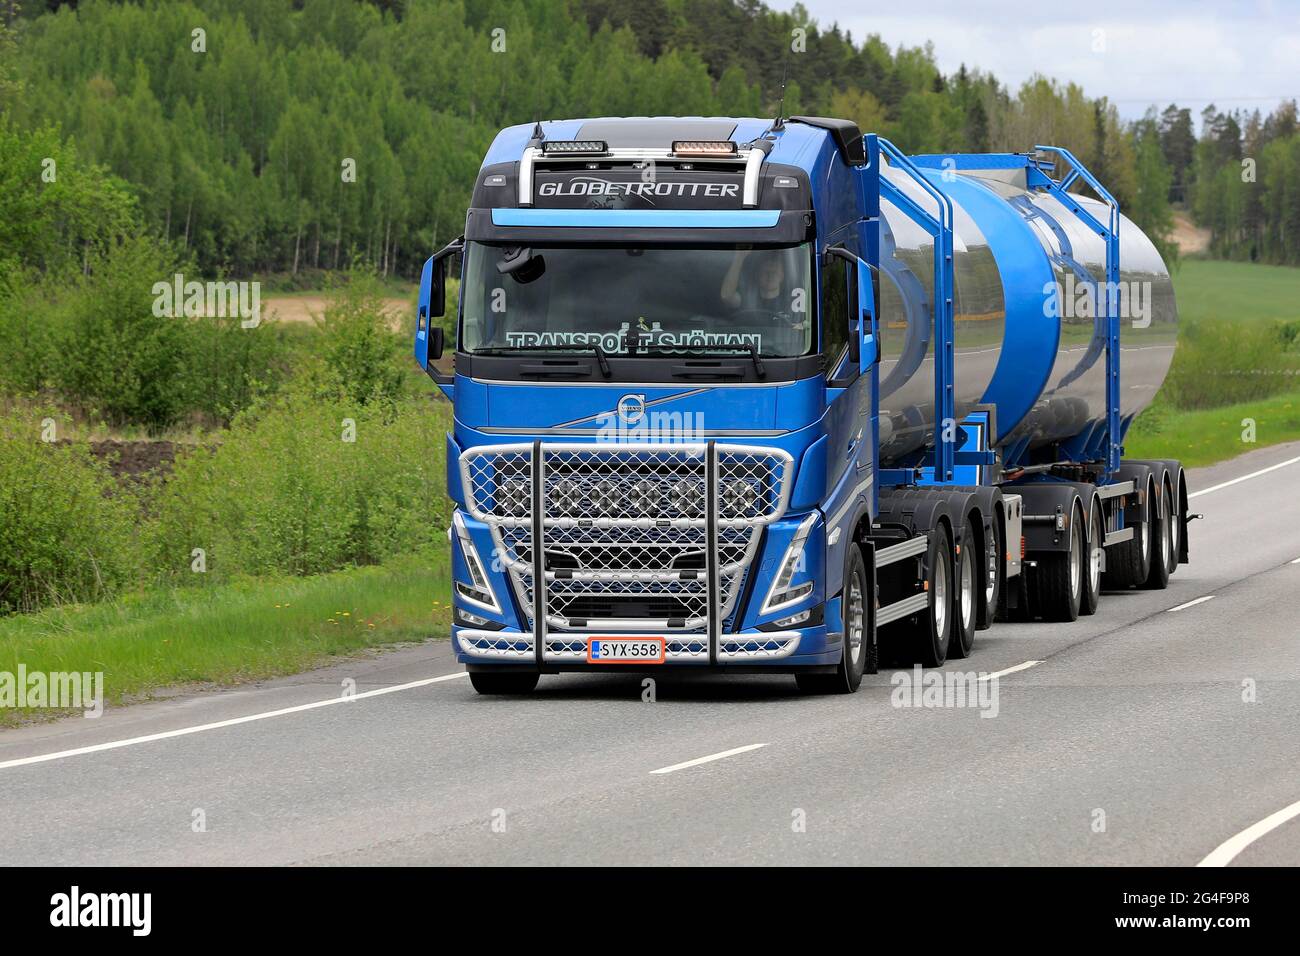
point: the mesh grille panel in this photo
(625, 530)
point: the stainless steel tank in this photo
(1026, 340)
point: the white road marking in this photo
(709, 759)
(1199, 600)
(217, 725)
(1011, 670)
(1227, 851)
(1253, 474)
(1296, 561)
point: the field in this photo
(1235, 384)
(1239, 291)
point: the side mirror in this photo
(432, 304)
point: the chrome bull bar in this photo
(630, 537)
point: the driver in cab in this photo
(755, 288)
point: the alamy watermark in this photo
(941, 690)
(77, 908)
(56, 690)
(194, 299)
(1073, 299)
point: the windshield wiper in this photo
(506, 350)
(759, 368)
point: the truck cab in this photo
(659, 395)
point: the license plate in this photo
(625, 650)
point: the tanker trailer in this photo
(1063, 328)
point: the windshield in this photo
(670, 299)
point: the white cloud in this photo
(1194, 52)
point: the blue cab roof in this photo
(796, 144)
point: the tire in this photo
(1163, 555)
(932, 633)
(1129, 563)
(1058, 579)
(991, 572)
(504, 682)
(1094, 554)
(966, 595)
(858, 653)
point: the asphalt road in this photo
(1130, 743)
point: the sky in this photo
(1237, 55)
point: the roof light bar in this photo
(704, 147)
(575, 147)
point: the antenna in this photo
(780, 110)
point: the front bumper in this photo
(765, 650)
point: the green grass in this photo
(1213, 295)
(1210, 435)
(1238, 291)
(231, 633)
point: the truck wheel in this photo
(1058, 579)
(1129, 563)
(1095, 552)
(1163, 555)
(991, 574)
(965, 601)
(504, 682)
(859, 646)
(933, 633)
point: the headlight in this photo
(687, 497)
(477, 590)
(512, 497)
(739, 498)
(605, 498)
(643, 497)
(783, 592)
(566, 496)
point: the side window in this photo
(451, 302)
(838, 295)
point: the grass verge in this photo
(230, 633)
(1205, 436)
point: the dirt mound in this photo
(1189, 237)
(135, 460)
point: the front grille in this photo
(625, 529)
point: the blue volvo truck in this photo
(771, 396)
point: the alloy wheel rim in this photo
(857, 625)
(1076, 571)
(940, 595)
(1175, 527)
(1094, 564)
(991, 584)
(967, 584)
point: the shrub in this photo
(286, 492)
(365, 360)
(228, 367)
(67, 532)
(31, 320)
(1225, 363)
(119, 358)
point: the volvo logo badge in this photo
(631, 408)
